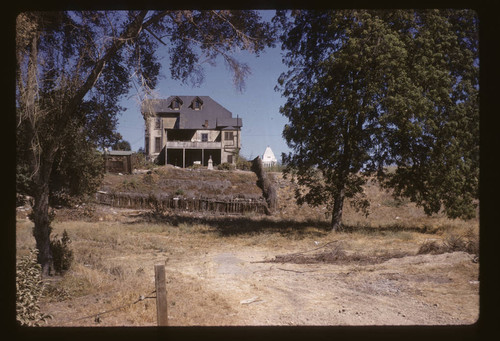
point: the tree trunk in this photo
(338, 206)
(41, 216)
(42, 228)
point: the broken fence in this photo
(138, 201)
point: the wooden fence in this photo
(174, 203)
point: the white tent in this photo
(268, 159)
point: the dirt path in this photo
(414, 290)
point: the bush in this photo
(61, 253)
(453, 242)
(139, 161)
(29, 291)
(430, 247)
(243, 164)
(226, 166)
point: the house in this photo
(117, 161)
(187, 130)
(268, 159)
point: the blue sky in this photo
(258, 104)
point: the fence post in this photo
(161, 295)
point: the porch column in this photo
(183, 157)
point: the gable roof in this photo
(211, 111)
(268, 155)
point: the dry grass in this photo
(115, 253)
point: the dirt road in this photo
(413, 290)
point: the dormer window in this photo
(176, 103)
(196, 104)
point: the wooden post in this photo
(161, 295)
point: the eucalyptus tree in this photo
(74, 67)
(371, 88)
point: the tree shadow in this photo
(393, 228)
(230, 225)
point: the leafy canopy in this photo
(367, 89)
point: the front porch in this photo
(188, 155)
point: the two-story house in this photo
(188, 130)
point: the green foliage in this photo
(29, 291)
(129, 184)
(226, 166)
(122, 145)
(78, 172)
(179, 192)
(196, 166)
(242, 163)
(139, 161)
(61, 253)
(367, 89)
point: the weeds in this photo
(453, 242)
(29, 291)
(61, 253)
(336, 255)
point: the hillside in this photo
(384, 211)
(186, 182)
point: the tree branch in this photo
(132, 31)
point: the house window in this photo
(229, 159)
(228, 135)
(157, 145)
(176, 104)
(196, 105)
(157, 123)
(146, 144)
(204, 137)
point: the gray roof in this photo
(119, 152)
(211, 111)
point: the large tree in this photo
(73, 68)
(366, 89)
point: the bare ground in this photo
(230, 282)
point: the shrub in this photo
(29, 291)
(196, 166)
(430, 247)
(243, 164)
(453, 242)
(139, 161)
(226, 166)
(61, 253)
(179, 192)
